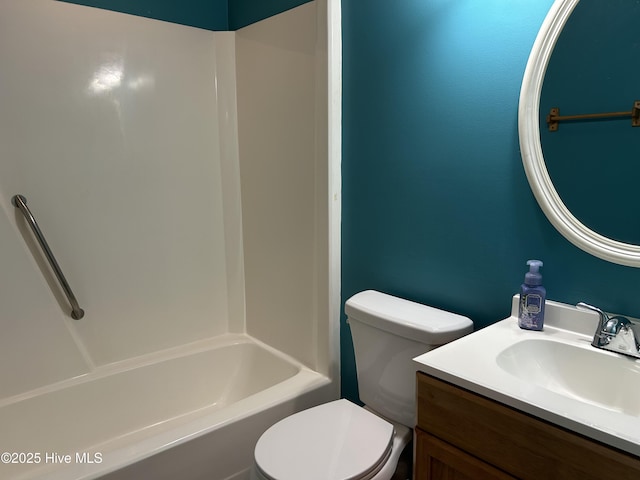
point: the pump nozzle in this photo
(534, 265)
(533, 277)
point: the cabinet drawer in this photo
(513, 441)
(437, 460)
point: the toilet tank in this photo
(388, 332)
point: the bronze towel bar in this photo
(554, 116)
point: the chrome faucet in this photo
(616, 334)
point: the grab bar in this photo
(20, 202)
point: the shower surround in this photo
(181, 178)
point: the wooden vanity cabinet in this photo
(464, 436)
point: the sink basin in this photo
(555, 374)
(584, 373)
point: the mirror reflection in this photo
(595, 163)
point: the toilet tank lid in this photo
(405, 318)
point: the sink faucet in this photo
(616, 334)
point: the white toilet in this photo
(340, 440)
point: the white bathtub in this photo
(190, 413)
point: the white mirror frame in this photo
(531, 149)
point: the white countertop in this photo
(477, 362)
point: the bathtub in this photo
(192, 412)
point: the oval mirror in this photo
(562, 218)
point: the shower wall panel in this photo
(110, 128)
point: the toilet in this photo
(340, 440)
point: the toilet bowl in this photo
(340, 440)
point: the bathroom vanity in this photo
(465, 436)
(506, 403)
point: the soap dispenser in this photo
(532, 298)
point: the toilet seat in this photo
(334, 441)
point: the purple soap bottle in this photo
(532, 298)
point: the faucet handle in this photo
(616, 324)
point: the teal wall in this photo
(208, 14)
(436, 205)
(245, 12)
